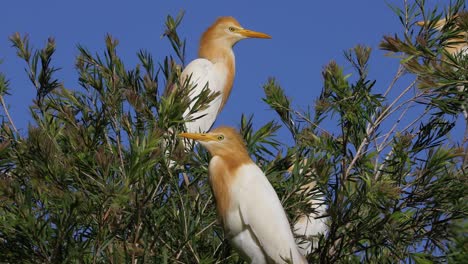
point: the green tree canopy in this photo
(92, 182)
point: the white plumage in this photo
(202, 73)
(214, 69)
(309, 227)
(459, 46)
(248, 207)
(257, 225)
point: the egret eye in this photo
(220, 137)
(232, 29)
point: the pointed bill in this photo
(253, 34)
(198, 136)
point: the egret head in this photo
(220, 141)
(458, 42)
(228, 31)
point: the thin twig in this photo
(376, 124)
(10, 120)
(310, 121)
(206, 227)
(397, 76)
(193, 252)
(399, 73)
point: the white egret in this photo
(215, 69)
(248, 207)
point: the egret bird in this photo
(214, 69)
(459, 45)
(308, 227)
(248, 207)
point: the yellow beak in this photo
(198, 136)
(420, 23)
(253, 34)
(439, 24)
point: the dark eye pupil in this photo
(231, 28)
(220, 137)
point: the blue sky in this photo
(306, 36)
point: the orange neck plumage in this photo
(211, 50)
(224, 165)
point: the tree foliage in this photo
(101, 177)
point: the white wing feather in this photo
(262, 211)
(203, 72)
(308, 227)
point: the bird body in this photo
(214, 69)
(309, 226)
(204, 71)
(457, 46)
(248, 207)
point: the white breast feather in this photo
(261, 210)
(202, 72)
